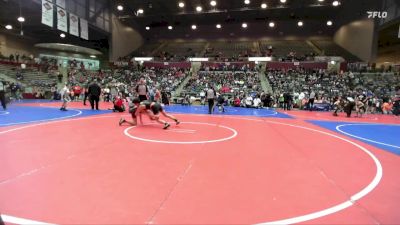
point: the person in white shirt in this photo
(249, 101)
(257, 102)
(202, 97)
(210, 97)
(65, 97)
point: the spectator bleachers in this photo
(146, 49)
(330, 48)
(30, 75)
(224, 82)
(179, 51)
(231, 49)
(283, 48)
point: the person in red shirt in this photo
(77, 92)
(237, 102)
(118, 105)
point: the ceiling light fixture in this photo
(120, 7)
(21, 19)
(199, 8)
(218, 26)
(335, 3)
(194, 27)
(8, 27)
(329, 23)
(263, 5)
(169, 27)
(246, 2)
(147, 28)
(283, 1)
(140, 11)
(271, 24)
(300, 23)
(62, 35)
(244, 25)
(181, 4)
(213, 3)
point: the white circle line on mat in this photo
(234, 134)
(336, 208)
(365, 139)
(45, 120)
(298, 219)
(3, 113)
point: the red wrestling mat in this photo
(208, 170)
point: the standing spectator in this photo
(287, 101)
(13, 88)
(210, 98)
(54, 92)
(202, 97)
(3, 94)
(311, 100)
(157, 95)
(142, 90)
(77, 92)
(94, 95)
(86, 94)
(107, 96)
(65, 97)
(59, 76)
(165, 97)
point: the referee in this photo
(3, 94)
(94, 95)
(210, 98)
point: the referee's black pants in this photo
(94, 99)
(210, 105)
(3, 99)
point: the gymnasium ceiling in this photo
(159, 14)
(34, 31)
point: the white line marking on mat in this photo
(36, 121)
(366, 139)
(126, 132)
(17, 220)
(298, 219)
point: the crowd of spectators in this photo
(297, 87)
(232, 82)
(122, 81)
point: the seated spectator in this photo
(387, 107)
(118, 105)
(237, 102)
(249, 101)
(257, 102)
